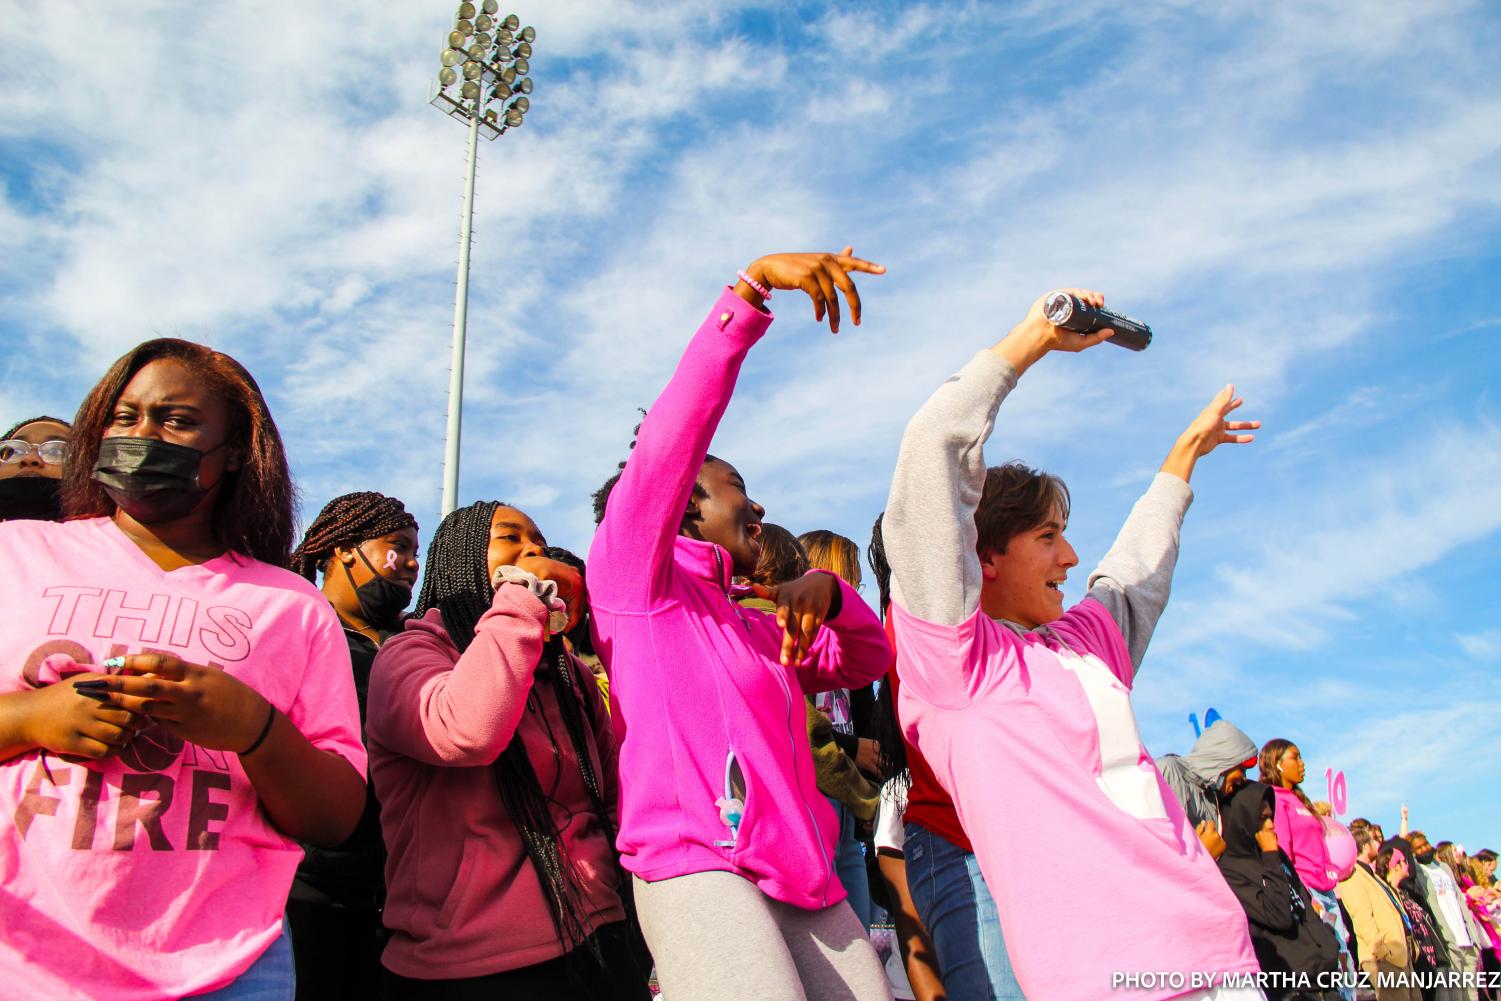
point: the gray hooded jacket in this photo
(1195, 775)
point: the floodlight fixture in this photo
(489, 60)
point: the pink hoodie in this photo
(1300, 833)
(463, 899)
(715, 770)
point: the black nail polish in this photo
(95, 694)
(94, 685)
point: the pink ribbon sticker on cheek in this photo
(390, 559)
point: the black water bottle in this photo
(1067, 310)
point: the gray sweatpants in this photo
(715, 937)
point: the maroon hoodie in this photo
(463, 899)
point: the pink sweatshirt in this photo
(715, 770)
(462, 897)
(155, 873)
(1300, 833)
(1033, 735)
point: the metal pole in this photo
(460, 315)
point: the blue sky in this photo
(1304, 199)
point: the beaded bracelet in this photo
(265, 731)
(756, 286)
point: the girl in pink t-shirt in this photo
(176, 710)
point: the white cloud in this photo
(1483, 645)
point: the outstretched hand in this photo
(819, 275)
(1209, 431)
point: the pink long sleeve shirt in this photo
(1033, 735)
(1300, 833)
(715, 769)
(462, 897)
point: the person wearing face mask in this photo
(365, 546)
(177, 713)
(32, 455)
(730, 844)
(1289, 939)
(494, 762)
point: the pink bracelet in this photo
(756, 286)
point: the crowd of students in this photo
(697, 756)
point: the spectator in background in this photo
(917, 955)
(840, 556)
(1301, 831)
(334, 908)
(1478, 882)
(1450, 914)
(1376, 917)
(1289, 939)
(1425, 946)
(578, 639)
(32, 458)
(1207, 775)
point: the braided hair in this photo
(457, 583)
(345, 521)
(888, 729)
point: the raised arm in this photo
(632, 550)
(1135, 577)
(929, 526)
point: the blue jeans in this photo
(849, 863)
(957, 909)
(272, 977)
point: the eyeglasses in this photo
(53, 452)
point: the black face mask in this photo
(30, 498)
(381, 600)
(152, 481)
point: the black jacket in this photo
(1286, 933)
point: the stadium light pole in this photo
(484, 84)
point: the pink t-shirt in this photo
(154, 873)
(1034, 737)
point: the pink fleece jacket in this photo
(463, 899)
(1300, 833)
(715, 770)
